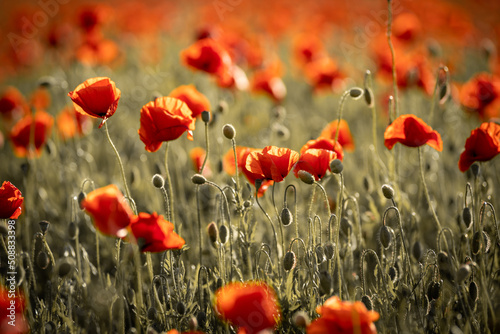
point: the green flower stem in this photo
(170, 189)
(325, 197)
(200, 233)
(341, 108)
(120, 163)
(337, 232)
(426, 191)
(233, 142)
(207, 151)
(393, 56)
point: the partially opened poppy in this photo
(109, 210)
(195, 100)
(411, 131)
(483, 144)
(97, 97)
(12, 306)
(338, 316)
(315, 161)
(325, 144)
(11, 201)
(344, 138)
(250, 306)
(481, 95)
(164, 119)
(154, 234)
(21, 134)
(272, 163)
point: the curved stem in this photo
(272, 226)
(341, 108)
(325, 196)
(170, 191)
(120, 163)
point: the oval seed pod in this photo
(393, 274)
(463, 273)
(223, 234)
(229, 131)
(368, 302)
(301, 319)
(152, 314)
(198, 179)
(158, 181)
(305, 177)
(289, 261)
(356, 92)
(213, 233)
(369, 97)
(81, 196)
(345, 226)
(286, 217)
(473, 291)
(201, 317)
(320, 254)
(181, 308)
(72, 230)
(388, 191)
(385, 236)
(42, 260)
(477, 243)
(336, 166)
(417, 251)
(434, 290)
(329, 250)
(467, 217)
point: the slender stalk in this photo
(393, 56)
(426, 191)
(170, 191)
(208, 150)
(337, 232)
(341, 108)
(233, 142)
(200, 245)
(325, 197)
(120, 163)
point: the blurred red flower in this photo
(325, 144)
(71, 123)
(306, 48)
(268, 81)
(272, 163)
(40, 99)
(251, 306)
(164, 119)
(97, 97)
(345, 138)
(324, 74)
(483, 144)
(7, 299)
(481, 95)
(12, 103)
(21, 134)
(338, 317)
(197, 155)
(407, 27)
(154, 234)
(109, 210)
(411, 131)
(11, 201)
(315, 161)
(195, 100)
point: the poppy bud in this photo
(258, 183)
(301, 319)
(152, 313)
(47, 81)
(320, 254)
(417, 250)
(72, 230)
(158, 181)
(329, 250)
(42, 260)
(393, 274)
(229, 131)
(463, 273)
(345, 226)
(44, 226)
(467, 217)
(205, 116)
(80, 198)
(385, 236)
(487, 242)
(181, 308)
(247, 204)
(475, 169)
(443, 261)
(434, 290)
(368, 97)
(193, 324)
(286, 217)
(367, 184)
(368, 302)
(213, 233)
(444, 93)
(65, 267)
(305, 177)
(222, 107)
(201, 318)
(289, 261)
(473, 291)
(198, 179)
(282, 131)
(388, 191)
(336, 166)
(476, 243)
(223, 234)
(355, 92)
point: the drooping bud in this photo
(158, 181)
(198, 179)
(356, 92)
(213, 233)
(205, 116)
(388, 191)
(229, 131)
(301, 319)
(289, 261)
(223, 234)
(368, 302)
(286, 217)
(467, 217)
(336, 166)
(463, 273)
(305, 177)
(385, 236)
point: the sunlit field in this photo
(237, 166)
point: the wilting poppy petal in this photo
(272, 163)
(481, 95)
(337, 316)
(154, 234)
(96, 97)
(11, 201)
(315, 161)
(164, 119)
(483, 144)
(411, 131)
(251, 306)
(325, 144)
(345, 138)
(12, 305)
(109, 210)
(195, 100)
(22, 132)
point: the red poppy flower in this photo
(71, 123)
(324, 73)
(12, 103)
(481, 95)
(40, 99)
(242, 154)
(337, 316)
(251, 306)
(483, 144)
(7, 326)
(96, 97)
(307, 48)
(406, 27)
(154, 234)
(411, 131)
(11, 201)
(164, 119)
(97, 50)
(208, 56)
(272, 163)
(325, 144)
(109, 210)
(268, 81)
(197, 156)
(195, 100)
(21, 133)
(345, 138)
(235, 78)
(315, 161)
